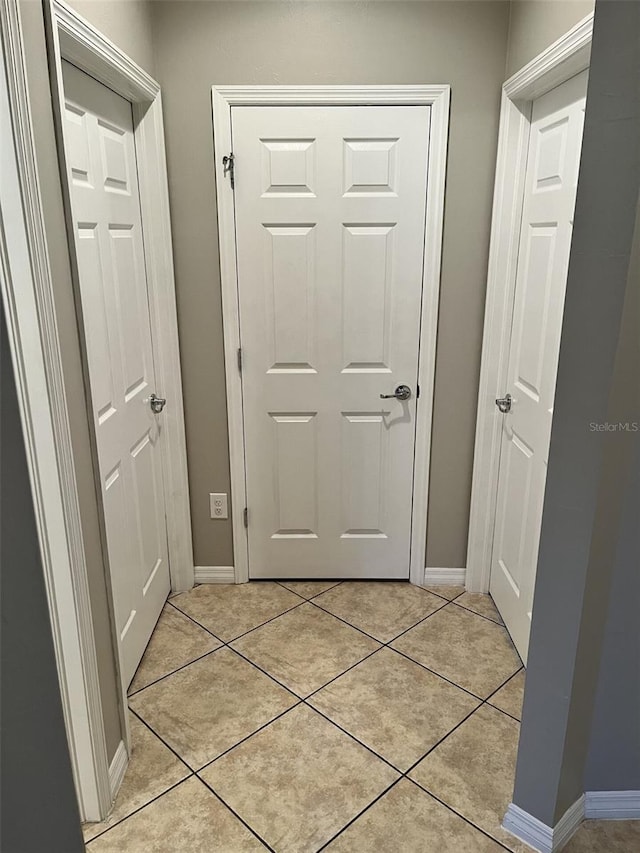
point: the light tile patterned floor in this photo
(303, 716)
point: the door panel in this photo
(330, 209)
(105, 201)
(545, 240)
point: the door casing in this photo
(562, 60)
(36, 349)
(226, 97)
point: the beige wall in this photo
(461, 43)
(126, 22)
(535, 24)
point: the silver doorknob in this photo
(402, 392)
(504, 403)
(157, 403)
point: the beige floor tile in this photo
(176, 641)
(394, 706)
(188, 819)
(606, 836)
(152, 769)
(305, 648)
(381, 609)
(407, 819)
(509, 698)
(298, 781)
(482, 604)
(445, 590)
(232, 609)
(210, 705)
(473, 769)
(309, 589)
(467, 649)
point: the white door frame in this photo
(562, 60)
(28, 295)
(438, 98)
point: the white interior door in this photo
(103, 180)
(545, 240)
(330, 210)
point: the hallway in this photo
(322, 715)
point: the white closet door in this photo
(330, 209)
(545, 242)
(103, 180)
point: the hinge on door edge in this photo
(245, 516)
(240, 359)
(229, 166)
(417, 391)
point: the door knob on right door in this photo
(504, 403)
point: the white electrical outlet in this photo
(218, 506)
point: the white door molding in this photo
(29, 299)
(562, 60)
(438, 98)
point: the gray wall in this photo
(37, 794)
(202, 43)
(586, 545)
(535, 24)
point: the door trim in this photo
(438, 98)
(562, 60)
(35, 343)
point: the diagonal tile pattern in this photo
(390, 729)
(463, 647)
(206, 708)
(305, 648)
(176, 641)
(382, 610)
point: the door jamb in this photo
(562, 60)
(438, 98)
(35, 343)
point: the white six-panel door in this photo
(330, 210)
(545, 240)
(103, 180)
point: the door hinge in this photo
(239, 355)
(417, 391)
(229, 167)
(245, 516)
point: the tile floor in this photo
(301, 716)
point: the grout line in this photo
(173, 671)
(283, 584)
(189, 775)
(248, 737)
(233, 812)
(195, 621)
(433, 672)
(475, 613)
(458, 814)
(161, 739)
(360, 813)
(348, 669)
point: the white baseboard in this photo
(117, 769)
(546, 839)
(612, 805)
(444, 577)
(214, 574)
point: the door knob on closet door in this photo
(402, 392)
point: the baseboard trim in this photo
(214, 574)
(117, 769)
(612, 805)
(538, 835)
(442, 577)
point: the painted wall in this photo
(461, 43)
(37, 794)
(535, 24)
(126, 22)
(586, 548)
